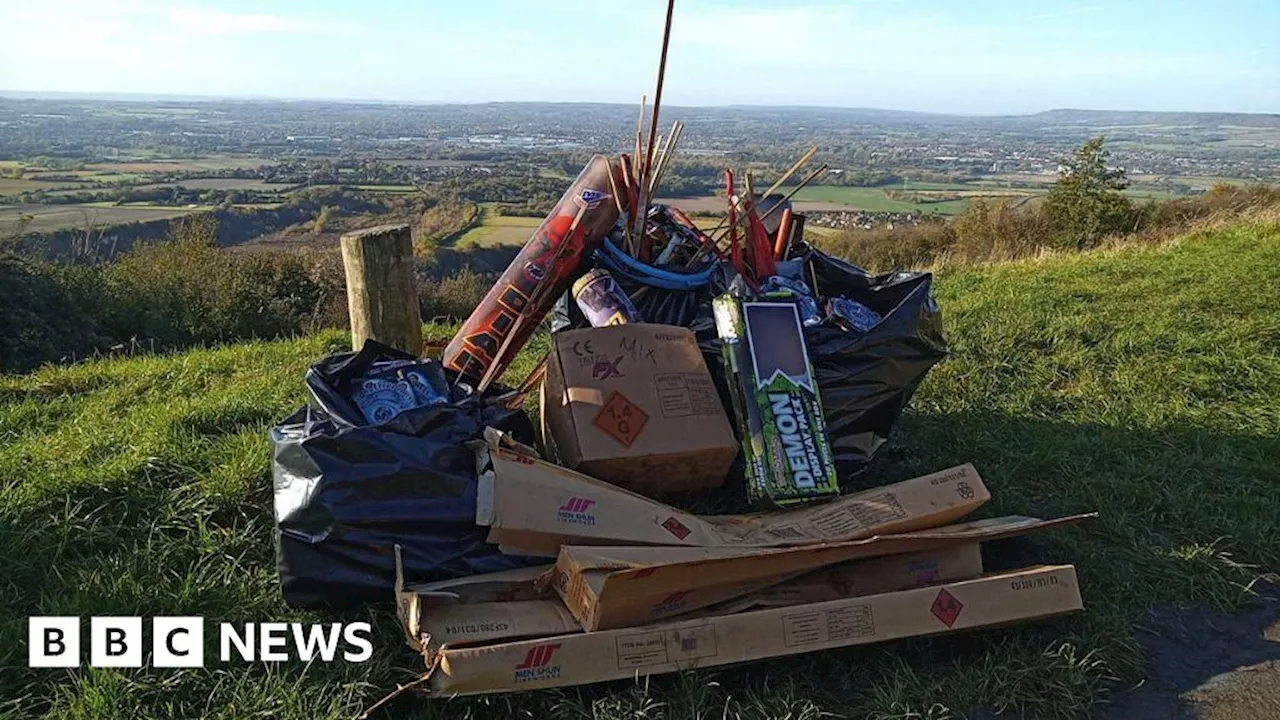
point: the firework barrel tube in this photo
(545, 264)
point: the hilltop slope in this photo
(1142, 383)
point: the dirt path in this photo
(1207, 666)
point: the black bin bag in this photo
(865, 378)
(347, 491)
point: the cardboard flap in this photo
(610, 587)
(596, 557)
(528, 583)
(650, 565)
(526, 495)
(455, 625)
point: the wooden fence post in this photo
(382, 291)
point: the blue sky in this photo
(932, 55)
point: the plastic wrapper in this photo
(800, 293)
(851, 314)
(347, 491)
(389, 388)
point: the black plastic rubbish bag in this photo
(865, 378)
(347, 492)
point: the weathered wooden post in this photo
(382, 292)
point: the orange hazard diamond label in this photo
(621, 419)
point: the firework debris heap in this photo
(693, 373)
(681, 364)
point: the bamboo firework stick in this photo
(664, 158)
(789, 195)
(613, 186)
(787, 175)
(617, 197)
(628, 181)
(644, 100)
(812, 176)
(653, 123)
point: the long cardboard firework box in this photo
(613, 587)
(776, 402)
(699, 642)
(520, 604)
(533, 507)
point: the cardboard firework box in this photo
(776, 402)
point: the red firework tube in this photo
(784, 236)
(548, 263)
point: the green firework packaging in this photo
(775, 401)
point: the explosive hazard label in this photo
(621, 419)
(946, 608)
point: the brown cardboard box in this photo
(635, 405)
(865, 577)
(613, 587)
(454, 624)
(576, 659)
(433, 617)
(533, 507)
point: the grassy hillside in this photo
(1142, 383)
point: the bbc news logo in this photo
(179, 642)
(537, 664)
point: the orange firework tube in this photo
(546, 264)
(784, 236)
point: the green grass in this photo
(388, 188)
(499, 230)
(869, 198)
(1141, 383)
(108, 177)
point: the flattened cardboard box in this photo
(635, 405)
(865, 577)
(535, 507)
(720, 640)
(613, 587)
(433, 619)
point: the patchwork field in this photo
(222, 184)
(49, 218)
(500, 230)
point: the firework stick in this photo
(747, 206)
(629, 188)
(772, 188)
(664, 156)
(789, 195)
(644, 99)
(813, 175)
(787, 175)
(653, 131)
(617, 197)
(735, 252)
